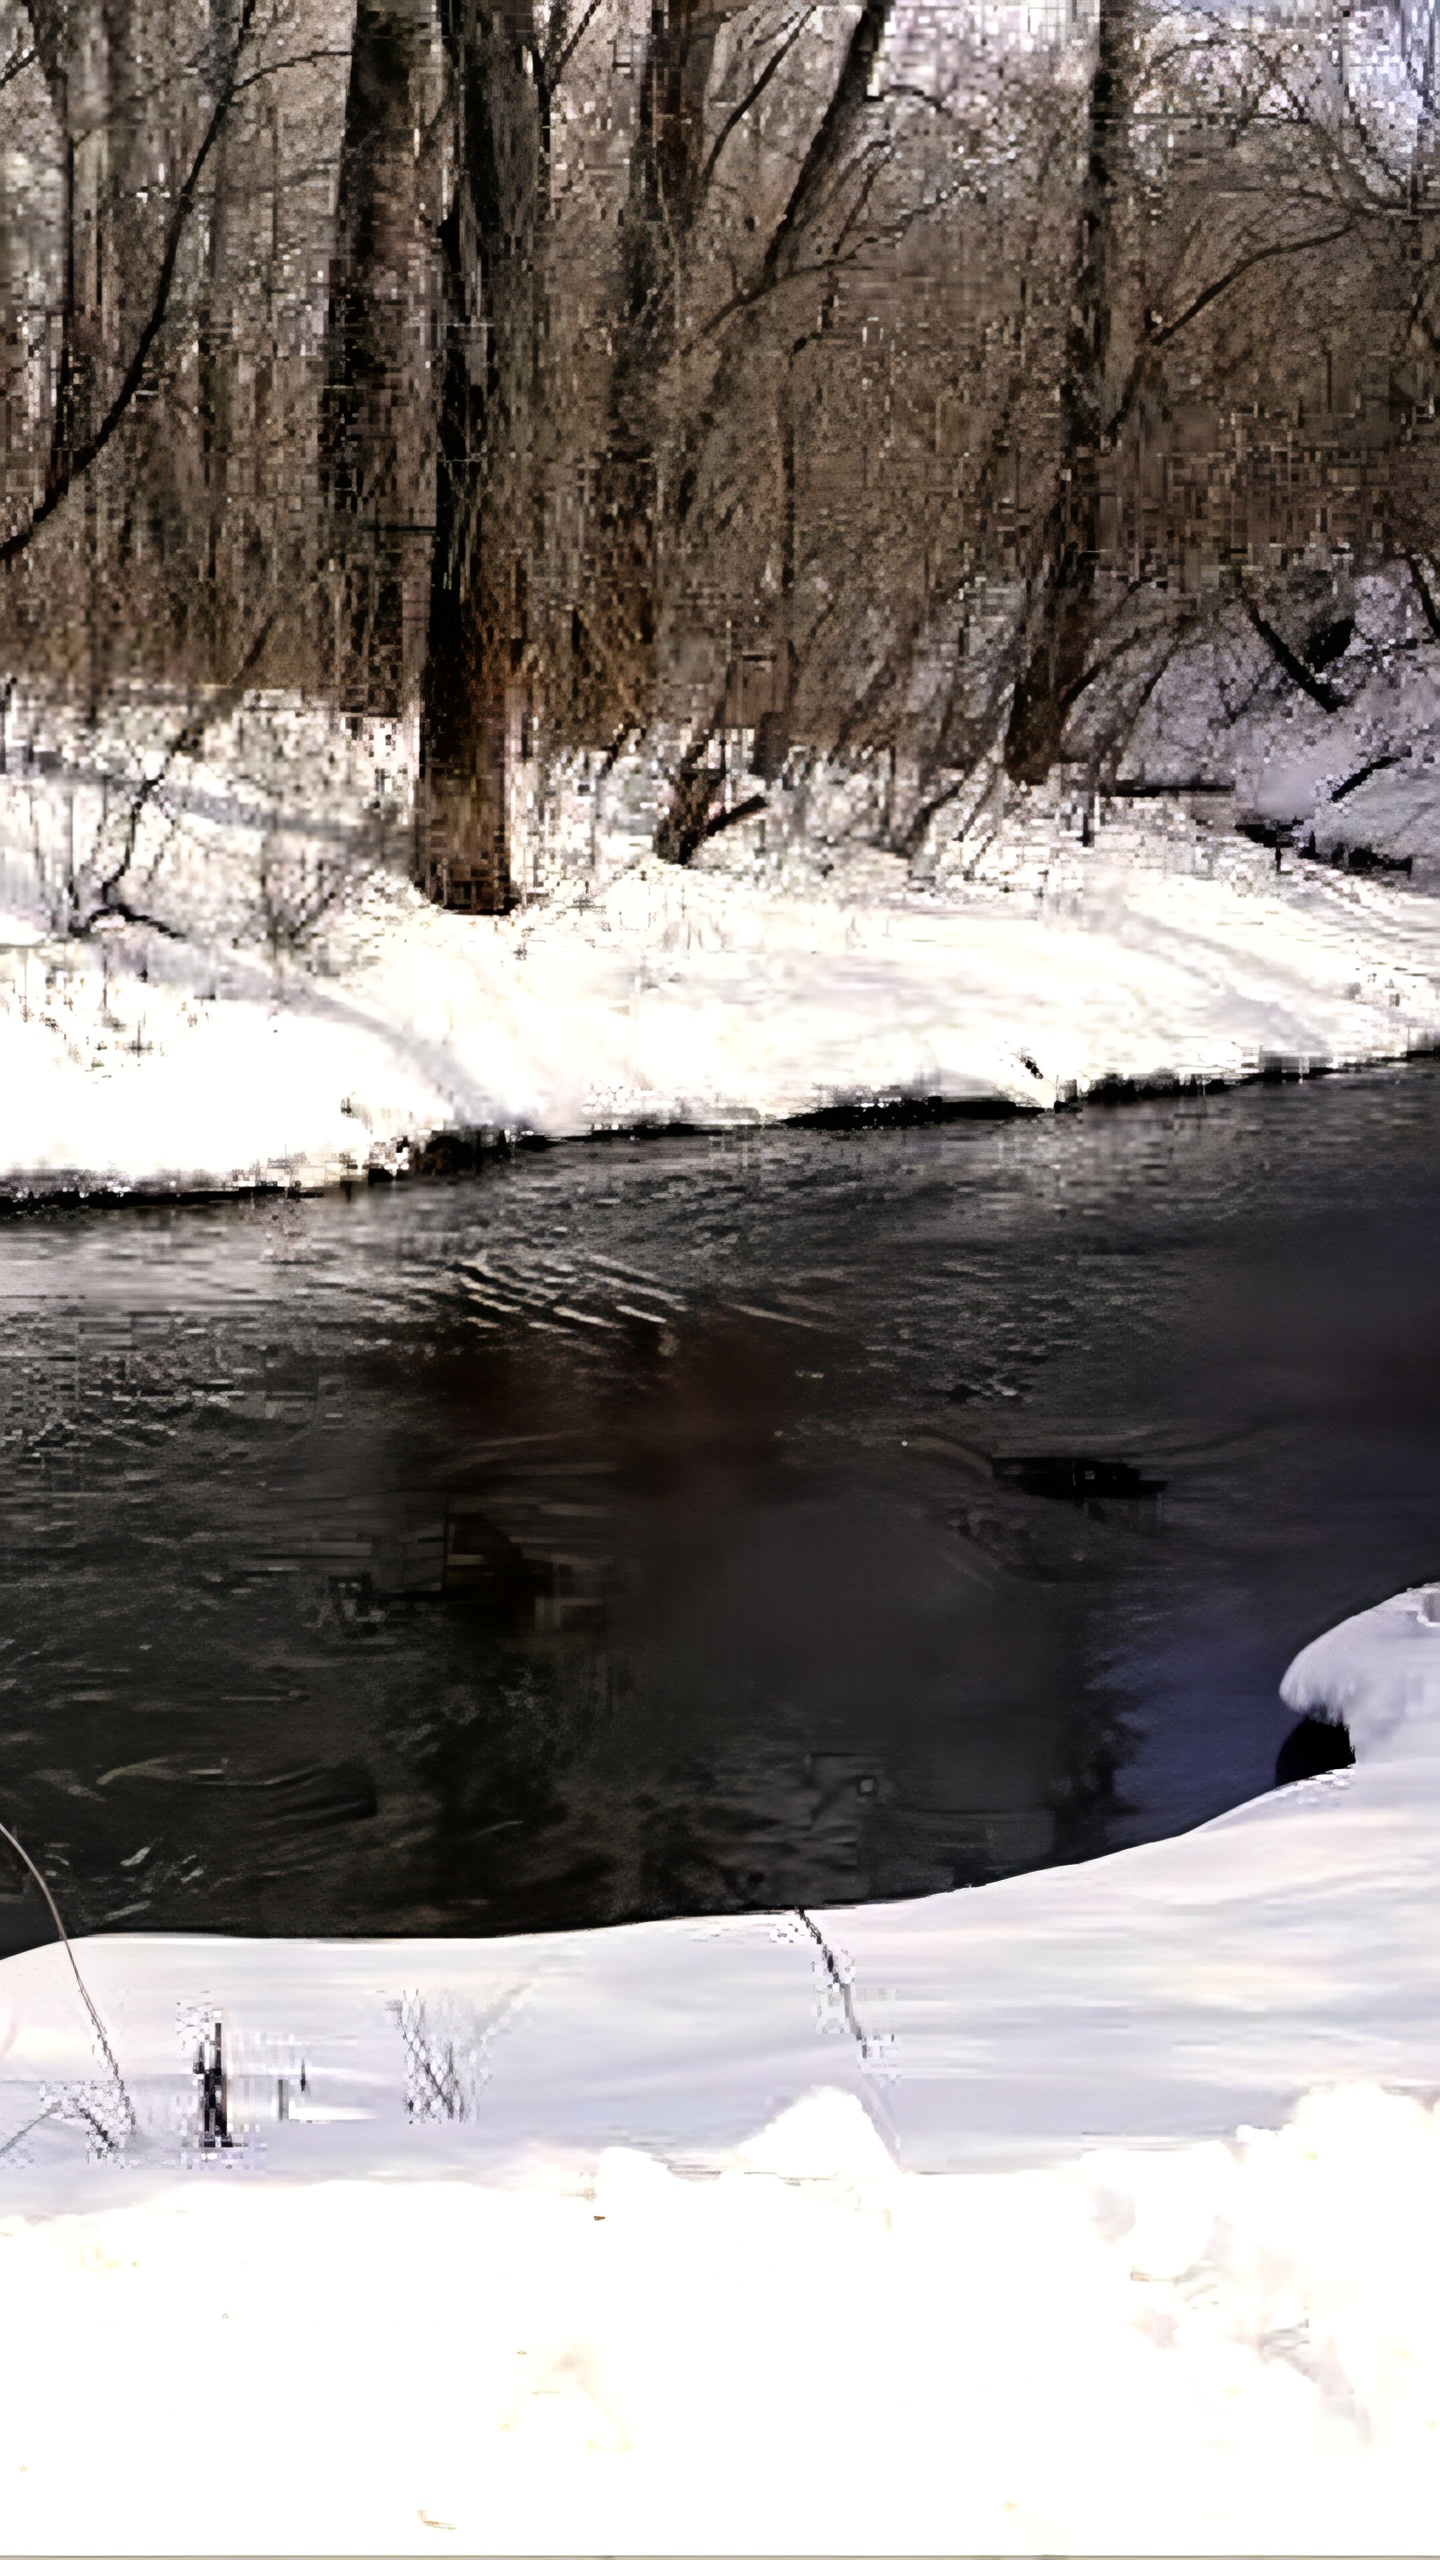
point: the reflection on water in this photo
(697, 1524)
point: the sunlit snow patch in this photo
(1118, 2229)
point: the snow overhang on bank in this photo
(1021, 975)
(1379, 1676)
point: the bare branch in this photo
(187, 739)
(754, 93)
(1425, 592)
(1320, 693)
(72, 466)
(845, 107)
(290, 62)
(555, 70)
(882, 235)
(1159, 334)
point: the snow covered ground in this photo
(304, 1013)
(1095, 2210)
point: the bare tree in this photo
(1059, 649)
(377, 424)
(85, 416)
(764, 383)
(616, 626)
(1201, 281)
(493, 251)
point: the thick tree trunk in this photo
(488, 482)
(376, 467)
(1062, 620)
(614, 675)
(1053, 676)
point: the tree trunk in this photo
(54, 44)
(614, 677)
(375, 460)
(1062, 617)
(487, 480)
(216, 386)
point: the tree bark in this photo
(1062, 619)
(614, 675)
(487, 483)
(375, 460)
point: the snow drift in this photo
(1092, 2210)
(296, 1013)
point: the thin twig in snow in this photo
(95, 2020)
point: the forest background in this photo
(961, 392)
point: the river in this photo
(690, 1524)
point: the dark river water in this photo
(682, 1525)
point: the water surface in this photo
(641, 1528)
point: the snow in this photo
(304, 1014)
(1394, 815)
(1094, 2210)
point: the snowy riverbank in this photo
(1091, 2211)
(631, 993)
